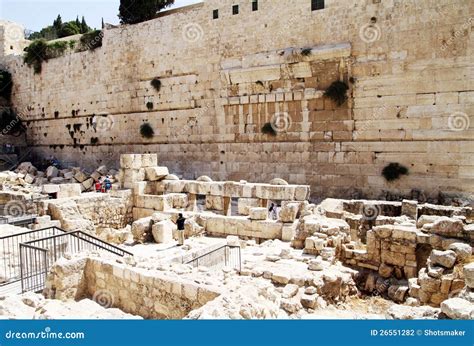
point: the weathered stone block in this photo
(258, 213)
(156, 173)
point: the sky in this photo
(37, 14)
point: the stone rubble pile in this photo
(27, 175)
(35, 306)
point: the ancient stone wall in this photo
(407, 64)
(149, 294)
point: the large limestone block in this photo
(289, 212)
(51, 172)
(50, 188)
(180, 200)
(163, 231)
(274, 192)
(468, 271)
(192, 228)
(233, 189)
(427, 283)
(87, 184)
(215, 225)
(130, 161)
(69, 190)
(149, 160)
(463, 251)
(141, 230)
(258, 213)
(458, 309)
(214, 202)
(288, 232)
(302, 192)
(447, 227)
(174, 186)
(155, 202)
(238, 226)
(198, 187)
(217, 189)
(80, 176)
(244, 205)
(29, 179)
(268, 229)
(446, 259)
(156, 173)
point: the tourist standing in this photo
(180, 222)
(273, 211)
(98, 185)
(108, 184)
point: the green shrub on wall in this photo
(337, 92)
(156, 83)
(36, 53)
(268, 129)
(91, 40)
(394, 171)
(146, 131)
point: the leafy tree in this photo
(58, 23)
(60, 29)
(137, 11)
(69, 29)
(48, 33)
(84, 27)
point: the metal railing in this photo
(10, 252)
(227, 255)
(37, 256)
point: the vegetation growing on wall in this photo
(6, 84)
(40, 50)
(337, 92)
(36, 53)
(393, 171)
(156, 83)
(137, 11)
(268, 129)
(149, 105)
(146, 131)
(91, 40)
(306, 51)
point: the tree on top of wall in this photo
(137, 11)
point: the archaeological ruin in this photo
(316, 156)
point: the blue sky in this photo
(36, 14)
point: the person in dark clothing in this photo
(180, 222)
